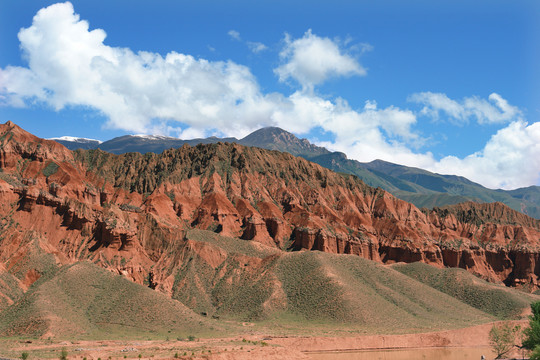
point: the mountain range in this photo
(418, 186)
(202, 240)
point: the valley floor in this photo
(253, 346)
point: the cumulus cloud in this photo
(144, 92)
(494, 110)
(510, 159)
(311, 60)
(349, 125)
(69, 65)
(364, 134)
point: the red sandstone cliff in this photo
(129, 213)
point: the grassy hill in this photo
(493, 299)
(367, 295)
(220, 282)
(301, 289)
(84, 300)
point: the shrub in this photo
(50, 169)
(63, 354)
(532, 333)
(535, 355)
(503, 338)
(24, 355)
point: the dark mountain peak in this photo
(270, 133)
(378, 163)
(275, 138)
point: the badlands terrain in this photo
(226, 251)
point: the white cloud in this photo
(510, 159)
(365, 135)
(190, 133)
(256, 47)
(70, 65)
(494, 110)
(235, 35)
(311, 60)
(363, 47)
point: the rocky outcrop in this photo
(129, 213)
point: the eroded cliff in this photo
(130, 213)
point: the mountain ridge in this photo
(419, 186)
(251, 193)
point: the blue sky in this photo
(450, 86)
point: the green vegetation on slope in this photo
(369, 295)
(232, 245)
(234, 280)
(237, 288)
(302, 288)
(449, 186)
(310, 292)
(431, 201)
(84, 300)
(10, 291)
(497, 300)
(35, 259)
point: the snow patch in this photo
(75, 139)
(154, 137)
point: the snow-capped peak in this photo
(75, 139)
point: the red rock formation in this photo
(129, 213)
